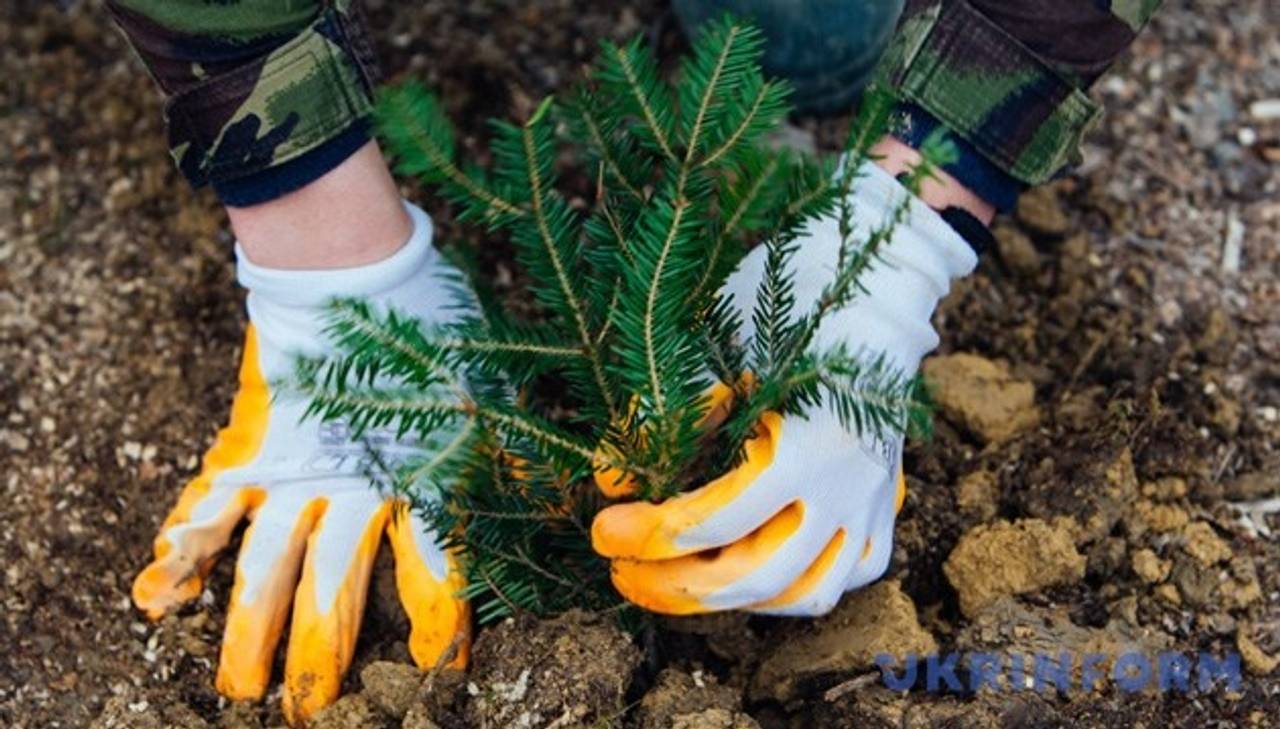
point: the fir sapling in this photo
(517, 414)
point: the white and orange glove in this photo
(809, 513)
(316, 522)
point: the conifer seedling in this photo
(516, 415)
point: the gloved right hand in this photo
(315, 521)
(809, 513)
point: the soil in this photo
(982, 396)
(1137, 301)
(981, 572)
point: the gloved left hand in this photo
(809, 513)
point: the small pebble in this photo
(1265, 109)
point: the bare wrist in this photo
(351, 216)
(939, 192)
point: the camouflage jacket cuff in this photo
(265, 113)
(990, 90)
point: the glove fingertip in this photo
(632, 531)
(635, 582)
(155, 592)
(446, 643)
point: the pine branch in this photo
(870, 126)
(366, 408)
(610, 368)
(543, 434)
(704, 78)
(629, 72)
(721, 58)
(811, 195)
(518, 352)
(846, 283)
(743, 197)
(616, 232)
(606, 330)
(525, 425)
(869, 397)
(549, 212)
(767, 104)
(392, 345)
(409, 118)
(407, 485)
(775, 300)
(737, 201)
(513, 348)
(651, 305)
(726, 356)
(614, 157)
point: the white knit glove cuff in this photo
(287, 307)
(315, 287)
(903, 288)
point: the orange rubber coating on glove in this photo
(679, 585)
(640, 530)
(652, 571)
(322, 643)
(172, 579)
(438, 618)
(253, 630)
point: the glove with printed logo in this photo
(809, 513)
(316, 523)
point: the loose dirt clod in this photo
(1255, 659)
(1009, 628)
(728, 635)
(392, 687)
(418, 718)
(1004, 558)
(1204, 544)
(240, 715)
(139, 711)
(1169, 593)
(352, 711)
(1017, 251)
(1148, 515)
(981, 396)
(1242, 588)
(878, 619)
(977, 493)
(692, 700)
(1196, 584)
(1254, 485)
(1165, 489)
(574, 670)
(1095, 488)
(1148, 566)
(713, 719)
(1040, 209)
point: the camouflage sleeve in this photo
(1010, 77)
(256, 88)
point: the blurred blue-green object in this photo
(827, 49)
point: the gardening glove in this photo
(315, 520)
(809, 513)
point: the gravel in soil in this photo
(1133, 306)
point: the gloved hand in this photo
(316, 522)
(809, 513)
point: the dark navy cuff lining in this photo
(971, 168)
(279, 180)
